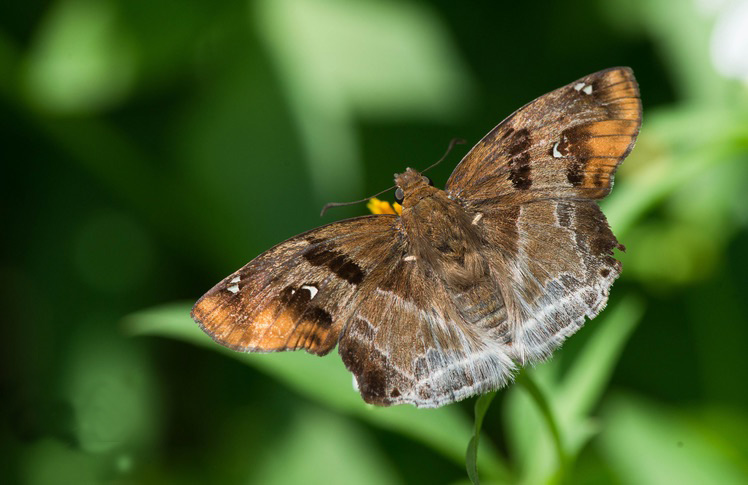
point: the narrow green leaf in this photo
(471, 459)
(525, 380)
(588, 377)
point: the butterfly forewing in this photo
(567, 143)
(295, 295)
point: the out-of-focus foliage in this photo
(152, 147)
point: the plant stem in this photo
(471, 459)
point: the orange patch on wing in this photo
(607, 146)
(621, 94)
(627, 104)
(275, 327)
(613, 127)
(209, 312)
(621, 91)
(618, 77)
(630, 112)
(271, 329)
(267, 330)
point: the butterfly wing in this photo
(295, 295)
(408, 340)
(553, 260)
(565, 144)
(532, 183)
(351, 283)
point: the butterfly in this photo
(448, 299)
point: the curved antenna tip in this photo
(324, 209)
(452, 143)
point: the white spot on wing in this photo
(477, 218)
(233, 289)
(236, 279)
(409, 258)
(312, 290)
(585, 88)
(556, 153)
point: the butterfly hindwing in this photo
(553, 260)
(407, 341)
(565, 144)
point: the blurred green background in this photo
(152, 147)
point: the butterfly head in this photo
(412, 186)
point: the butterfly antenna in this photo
(452, 143)
(340, 204)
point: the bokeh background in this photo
(151, 147)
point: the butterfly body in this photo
(439, 234)
(448, 299)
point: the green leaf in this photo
(109, 385)
(471, 459)
(541, 401)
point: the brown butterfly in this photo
(446, 300)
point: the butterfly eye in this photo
(428, 180)
(399, 195)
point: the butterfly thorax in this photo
(439, 232)
(414, 185)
